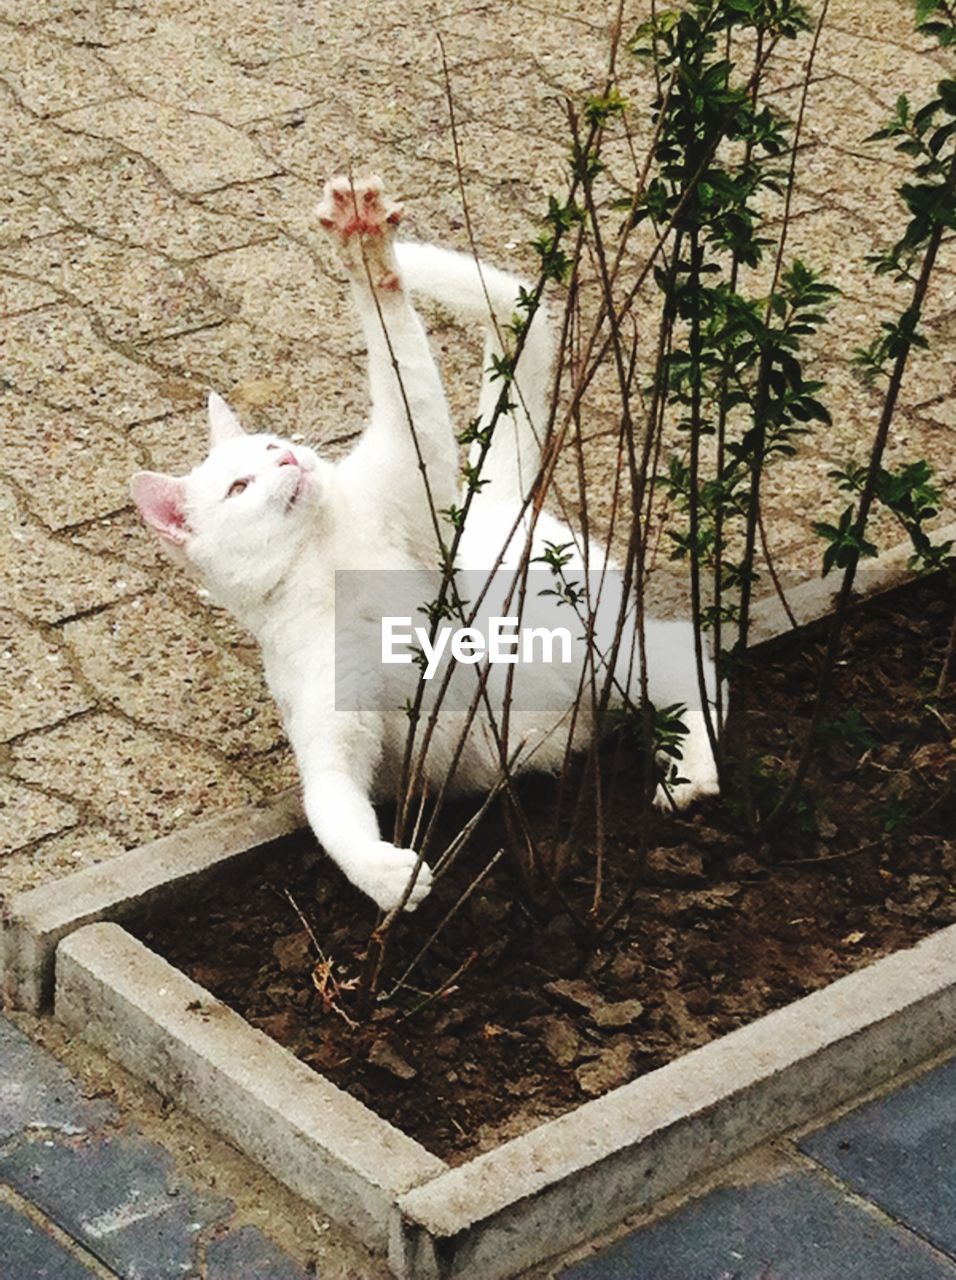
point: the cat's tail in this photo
(477, 291)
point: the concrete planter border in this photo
(317, 1139)
(536, 1195)
(530, 1198)
(34, 921)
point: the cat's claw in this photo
(360, 220)
(383, 872)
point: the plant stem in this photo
(867, 496)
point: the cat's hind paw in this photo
(679, 796)
(383, 872)
(360, 219)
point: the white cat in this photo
(266, 524)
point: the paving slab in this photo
(246, 32)
(118, 1195)
(38, 1093)
(279, 287)
(283, 203)
(83, 1194)
(78, 465)
(28, 1253)
(29, 146)
(57, 353)
(51, 857)
(205, 82)
(247, 1252)
(26, 210)
(796, 1227)
(52, 75)
(160, 666)
(134, 294)
(900, 1153)
(277, 383)
(46, 579)
(27, 814)
(195, 152)
(144, 783)
(18, 294)
(126, 199)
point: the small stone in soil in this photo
(718, 897)
(611, 1068)
(292, 952)
(387, 1058)
(488, 912)
(710, 835)
(617, 1013)
(743, 865)
(627, 967)
(561, 1040)
(699, 1001)
(679, 865)
(677, 1020)
(281, 1026)
(575, 992)
(524, 1087)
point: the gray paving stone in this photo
(37, 1092)
(900, 1152)
(28, 1253)
(247, 1252)
(795, 1228)
(120, 1197)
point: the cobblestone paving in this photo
(158, 164)
(870, 1195)
(84, 1196)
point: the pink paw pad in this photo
(357, 208)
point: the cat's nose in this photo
(288, 458)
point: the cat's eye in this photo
(271, 446)
(237, 486)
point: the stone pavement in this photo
(84, 1195)
(160, 160)
(871, 1196)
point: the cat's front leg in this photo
(406, 463)
(345, 824)
(360, 219)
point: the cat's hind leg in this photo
(697, 767)
(475, 290)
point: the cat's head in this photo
(240, 517)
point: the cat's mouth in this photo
(296, 492)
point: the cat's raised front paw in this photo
(383, 871)
(360, 219)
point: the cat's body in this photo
(267, 524)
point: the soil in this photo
(531, 1018)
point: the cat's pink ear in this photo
(223, 423)
(162, 504)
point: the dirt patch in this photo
(531, 1022)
